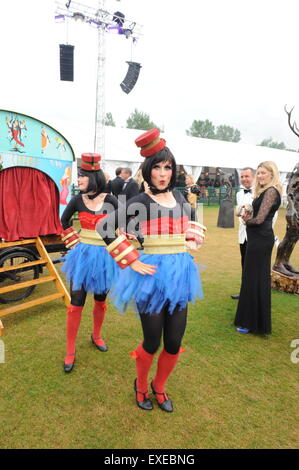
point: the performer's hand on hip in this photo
(143, 268)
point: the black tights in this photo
(173, 327)
(78, 297)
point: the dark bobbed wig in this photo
(163, 155)
(97, 180)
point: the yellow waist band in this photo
(164, 244)
(91, 237)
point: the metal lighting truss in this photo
(104, 21)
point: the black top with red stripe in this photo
(144, 216)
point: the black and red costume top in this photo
(144, 216)
(87, 265)
(88, 218)
(162, 232)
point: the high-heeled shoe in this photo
(69, 367)
(146, 404)
(102, 348)
(166, 405)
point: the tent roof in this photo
(195, 151)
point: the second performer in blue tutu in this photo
(161, 279)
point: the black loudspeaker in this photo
(66, 62)
(131, 78)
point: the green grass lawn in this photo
(229, 390)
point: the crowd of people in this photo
(134, 243)
(217, 182)
(191, 189)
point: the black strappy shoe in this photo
(166, 405)
(146, 404)
(69, 367)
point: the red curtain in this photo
(29, 204)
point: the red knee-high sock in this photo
(143, 364)
(73, 320)
(166, 364)
(99, 311)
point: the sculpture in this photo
(226, 209)
(289, 282)
(291, 237)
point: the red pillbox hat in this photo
(90, 161)
(150, 142)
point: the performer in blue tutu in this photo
(164, 278)
(88, 266)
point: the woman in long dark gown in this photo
(254, 307)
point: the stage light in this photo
(78, 16)
(131, 78)
(118, 18)
(118, 30)
(113, 29)
(60, 18)
(94, 23)
(66, 62)
(127, 32)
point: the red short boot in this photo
(166, 364)
(99, 311)
(143, 364)
(73, 319)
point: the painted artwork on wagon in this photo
(29, 142)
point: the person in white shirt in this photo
(244, 197)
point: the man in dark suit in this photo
(115, 186)
(244, 196)
(130, 187)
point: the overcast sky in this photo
(233, 62)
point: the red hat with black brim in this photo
(150, 142)
(90, 161)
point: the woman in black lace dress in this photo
(254, 307)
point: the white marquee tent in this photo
(193, 153)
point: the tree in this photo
(270, 143)
(109, 121)
(204, 129)
(228, 133)
(140, 120)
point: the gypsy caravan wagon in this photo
(35, 181)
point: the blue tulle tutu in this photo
(90, 267)
(175, 283)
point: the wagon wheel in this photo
(17, 275)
